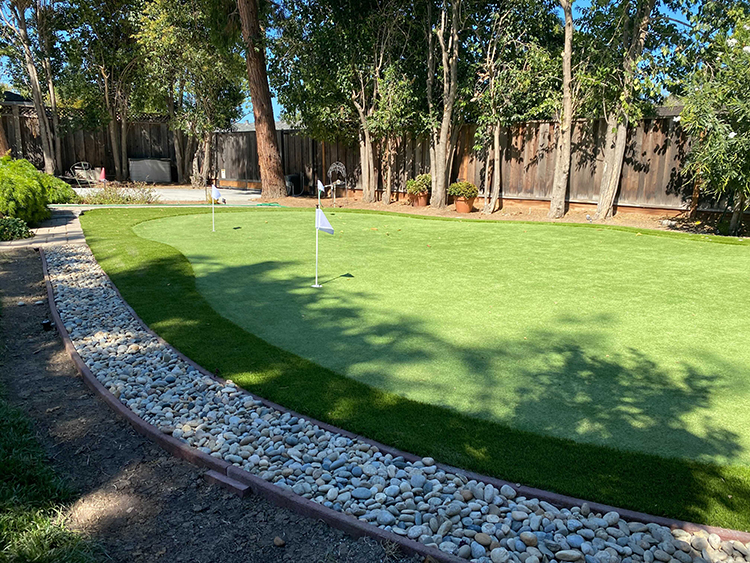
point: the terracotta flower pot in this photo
(420, 200)
(464, 205)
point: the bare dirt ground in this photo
(141, 504)
(521, 211)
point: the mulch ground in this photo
(137, 501)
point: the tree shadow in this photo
(607, 429)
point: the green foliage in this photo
(395, 110)
(328, 56)
(463, 189)
(22, 191)
(190, 66)
(519, 77)
(31, 496)
(57, 190)
(102, 73)
(12, 228)
(614, 77)
(25, 192)
(717, 114)
(419, 185)
(113, 194)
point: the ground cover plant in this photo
(604, 392)
(12, 228)
(31, 499)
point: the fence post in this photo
(17, 141)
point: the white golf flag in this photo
(215, 194)
(321, 187)
(321, 222)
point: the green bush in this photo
(12, 228)
(22, 193)
(57, 190)
(463, 189)
(419, 185)
(25, 192)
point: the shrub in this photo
(113, 194)
(419, 185)
(12, 228)
(57, 190)
(463, 189)
(22, 193)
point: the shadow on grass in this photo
(598, 397)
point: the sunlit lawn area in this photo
(599, 362)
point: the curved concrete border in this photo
(307, 507)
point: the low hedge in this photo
(25, 192)
(12, 228)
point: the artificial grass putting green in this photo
(581, 333)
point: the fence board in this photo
(651, 175)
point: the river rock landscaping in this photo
(421, 501)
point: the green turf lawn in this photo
(549, 344)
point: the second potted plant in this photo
(419, 190)
(464, 194)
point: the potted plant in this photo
(464, 193)
(419, 190)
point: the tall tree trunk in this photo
(694, 200)
(489, 168)
(177, 140)
(614, 156)
(177, 136)
(438, 165)
(633, 40)
(42, 12)
(739, 209)
(55, 130)
(496, 169)
(195, 177)
(369, 189)
(443, 159)
(388, 184)
(191, 147)
(269, 158)
(206, 168)
(364, 166)
(562, 160)
(124, 146)
(36, 89)
(4, 146)
(442, 138)
(114, 140)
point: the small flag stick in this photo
(317, 233)
(215, 195)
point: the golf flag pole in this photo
(215, 195)
(321, 224)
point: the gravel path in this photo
(418, 500)
(140, 503)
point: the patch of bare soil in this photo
(141, 504)
(511, 211)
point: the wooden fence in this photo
(146, 139)
(651, 176)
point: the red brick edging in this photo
(225, 471)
